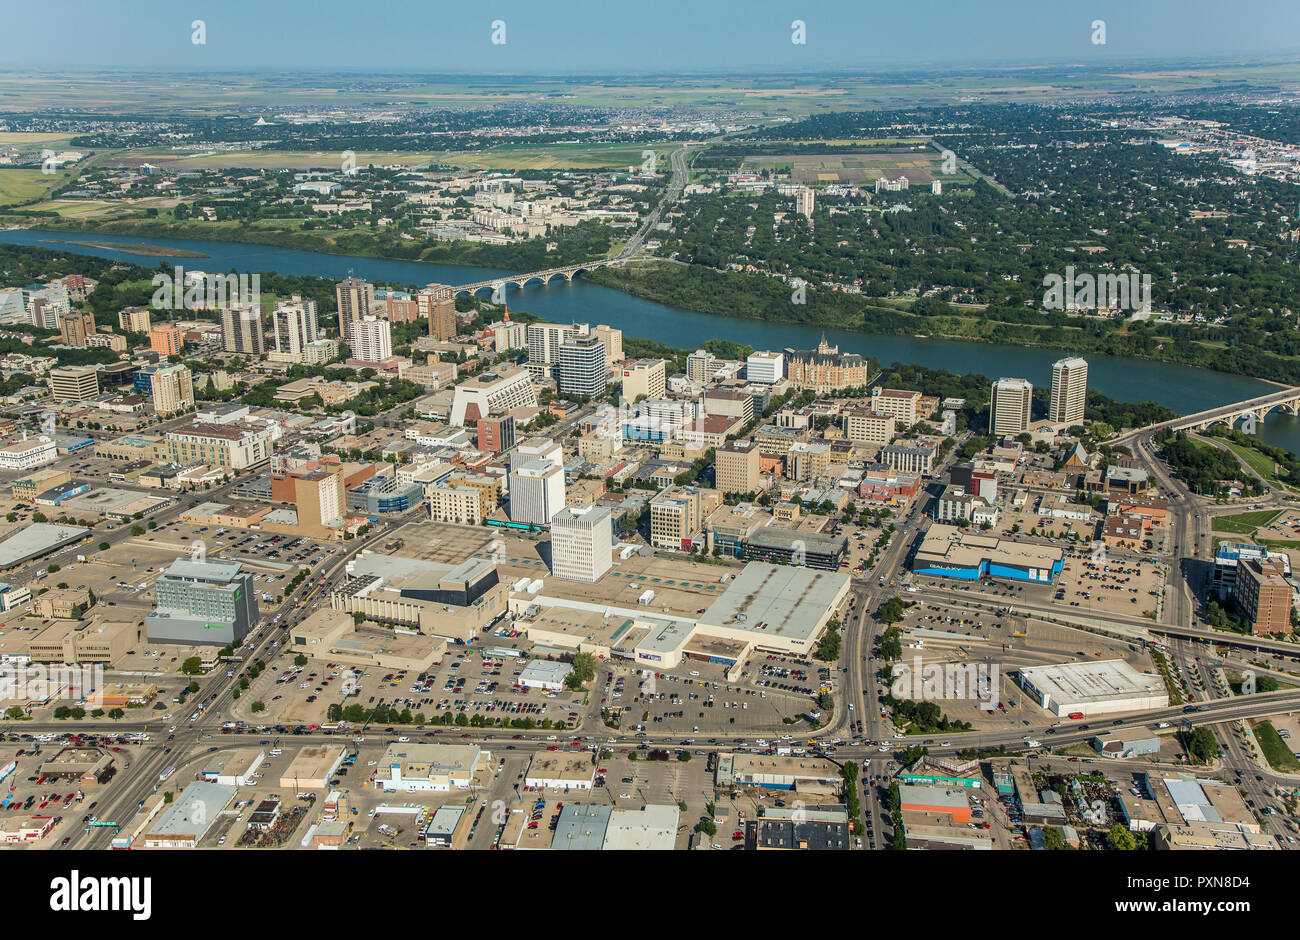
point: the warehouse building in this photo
(1093, 688)
(233, 768)
(1134, 742)
(775, 772)
(806, 828)
(939, 800)
(544, 674)
(312, 768)
(190, 817)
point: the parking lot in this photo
(302, 695)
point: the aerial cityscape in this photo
(797, 453)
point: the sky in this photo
(627, 36)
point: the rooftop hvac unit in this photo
(535, 586)
(520, 585)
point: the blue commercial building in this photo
(946, 551)
(379, 495)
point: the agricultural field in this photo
(261, 159)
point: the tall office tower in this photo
(74, 383)
(613, 340)
(805, 201)
(496, 433)
(1069, 391)
(75, 326)
(134, 320)
(321, 499)
(241, 330)
(545, 340)
(736, 467)
(173, 389)
(536, 492)
(354, 297)
(295, 325)
(582, 543)
(437, 303)
(766, 367)
(700, 365)
(371, 340)
(1009, 409)
(582, 369)
(207, 603)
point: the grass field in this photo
(17, 186)
(264, 159)
(1245, 523)
(1262, 465)
(1276, 750)
(558, 157)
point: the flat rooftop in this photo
(947, 545)
(779, 600)
(35, 540)
(1092, 681)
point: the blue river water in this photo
(1183, 388)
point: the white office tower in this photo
(1069, 391)
(805, 202)
(1010, 406)
(536, 492)
(582, 543)
(371, 340)
(295, 326)
(765, 367)
(537, 448)
(582, 369)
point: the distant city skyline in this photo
(596, 37)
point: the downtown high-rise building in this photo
(582, 543)
(1010, 406)
(437, 304)
(581, 369)
(1069, 391)
(371, 340)
(295, 325)
(241, 330)
(354, 297)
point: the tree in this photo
(192, 666)
(707, 827)
(192, 687)
(300, 660)
(584, 670)
(891, 611)
(103, 546)
(137, 530)
(259, 707)
(1121, 839)
(1202, 745)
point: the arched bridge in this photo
(542, 277)
(1287, 399)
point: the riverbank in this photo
(741, 296)
(582, 243)
(759, 297)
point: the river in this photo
(1183, 388)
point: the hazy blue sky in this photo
(613, 35)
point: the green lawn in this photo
(18, 186)
(1245, 523)
(1262, 465)
(1279, 753)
